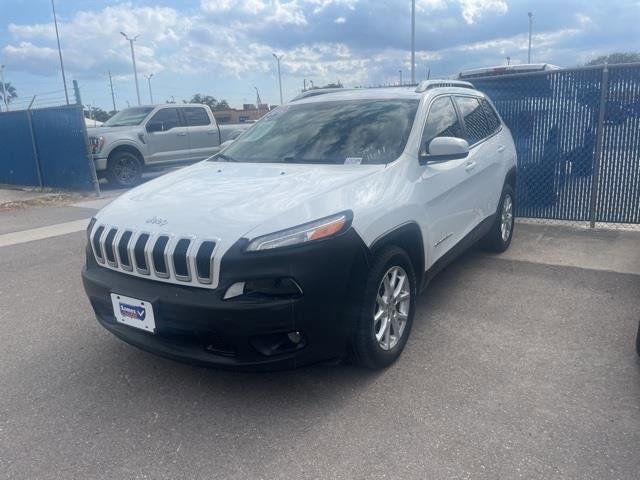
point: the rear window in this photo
(474, 119)
(493, 122)
(196, 116)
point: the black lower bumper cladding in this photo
(250, 331)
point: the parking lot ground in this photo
(519, 365)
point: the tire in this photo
(379, 352)
(496, 240)
(124, 170)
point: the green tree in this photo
(10, 92)
(97, 113)
(213, 103)
(616, 57)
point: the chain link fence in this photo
(577, 134)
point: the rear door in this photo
(204, 140)
(167, 138)
(484, 164)
(444, 188)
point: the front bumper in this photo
(198, 326)
(100, 161)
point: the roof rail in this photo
(425, 85)
(319, 91)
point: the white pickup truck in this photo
(150, 136)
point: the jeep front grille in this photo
(166, 258)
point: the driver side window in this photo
(441, 122)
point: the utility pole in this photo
(149, 82)
(4, 91)
(400, 72)
(530, 29)
(413, 41)
(64, 78)
(428, 73)
(258, 99)
(133, 59)
(113, 97)
(304, 84)
(278, 58)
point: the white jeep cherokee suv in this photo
(310, 236)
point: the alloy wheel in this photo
(506, 217)
(392, 307)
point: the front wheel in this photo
(386, 311)
(499, 237)
(124, 170)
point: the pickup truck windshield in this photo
(345, 132)
(128, 117)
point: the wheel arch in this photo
(407, 236)
(129, 149)
(511, 178)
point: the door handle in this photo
(470, 166)
(501, 149)
(182, 134)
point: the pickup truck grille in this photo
(167, 258)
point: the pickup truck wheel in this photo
(386, 312)
(124, 170)
(499, 237)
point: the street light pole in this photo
(64, 78)
(400, 72)
(133, 59)
(113, 97)
(4, 92)
(530, 29)
(149, 82)
(279, 75)
(413, 41)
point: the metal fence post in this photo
(92, 165)
(595, 172)
(34, 147)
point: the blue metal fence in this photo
(577, 133)
(47, 148)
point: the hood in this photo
(98, 131)
(230, 200)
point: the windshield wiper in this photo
(224, 157)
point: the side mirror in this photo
(155, 127)
(442, 149)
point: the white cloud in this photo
(340, 20)
(472, 9)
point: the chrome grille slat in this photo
(125, 263)
(180, 252)
(159, 255)
(144, 270)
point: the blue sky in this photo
(223, 47)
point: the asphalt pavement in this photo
(518, 366)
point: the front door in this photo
(449, 204)
(167, 138)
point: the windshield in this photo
(346, 132)
(128, 117)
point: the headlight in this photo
(96, 144)
(309, 232)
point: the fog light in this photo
(295, 337)
(278, 343)
(234, 290)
